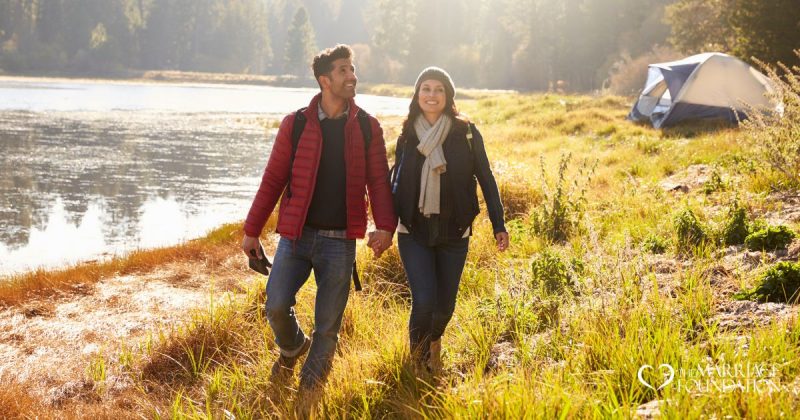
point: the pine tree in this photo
(301, 46)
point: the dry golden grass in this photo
(512, 349)
(225, 78)
(16, 402)
(212, 249)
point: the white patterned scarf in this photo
(431, 138)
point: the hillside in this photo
(628, 260)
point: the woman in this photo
(438, 157)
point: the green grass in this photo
(577, 336)
(549, 329)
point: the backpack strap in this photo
(366, 128)
(366, 133)
(469, 135)
(356, 281)
(297, 130)
(394, 172)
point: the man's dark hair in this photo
(323, 62)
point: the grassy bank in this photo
(215, 245)
(561, 324)
(175, 76)
(622, 262)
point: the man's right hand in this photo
(251, 246)
(379, 241)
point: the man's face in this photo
(342, 80)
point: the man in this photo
(323, 211)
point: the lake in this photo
(91, 169)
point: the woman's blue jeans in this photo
(434, 273)
(332, 262)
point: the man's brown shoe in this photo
(283, 368)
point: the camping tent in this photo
(709, 85)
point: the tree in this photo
(768, 30)
(700, 25)
(300, 46)
(765, 29)
(393, 23)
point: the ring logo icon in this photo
(666, 371)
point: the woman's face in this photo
(432, 97)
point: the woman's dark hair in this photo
(414, 110)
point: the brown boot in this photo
(435, 358)
(283, 369)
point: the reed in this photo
(549, 329)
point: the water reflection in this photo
(60, 241)
(125, 161)
(63, 240)
(89, 169)
(148, 179)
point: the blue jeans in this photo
(434, 273)
(332, 262)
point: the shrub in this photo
(758, 224)
(553, 273)
(715, 183)
(734, 231)
(778, 284)
(772, 238)
(516, 317)
(627, 76)
(563, 204)
(777, 136)
(689, 230)
(654, 244)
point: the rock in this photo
(733, 250)
(757, 257)
(694, 176)
(745, 313)
(650, 410)
(664, 265)
(670, 186)
(502, 355)
(794, 249)
(80, 390)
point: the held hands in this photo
(252, 247)
(379, 241)
(502, 241)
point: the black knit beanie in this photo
(436, 73)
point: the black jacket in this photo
(467, 165)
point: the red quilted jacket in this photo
(363, 175)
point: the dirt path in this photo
(49, 345)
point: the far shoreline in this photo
(203, 78)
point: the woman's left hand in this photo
(502, 241)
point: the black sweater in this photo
(467, 165)
(328, 209)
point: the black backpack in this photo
(297, 131)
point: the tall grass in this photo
(776, 136)
(557, 327)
